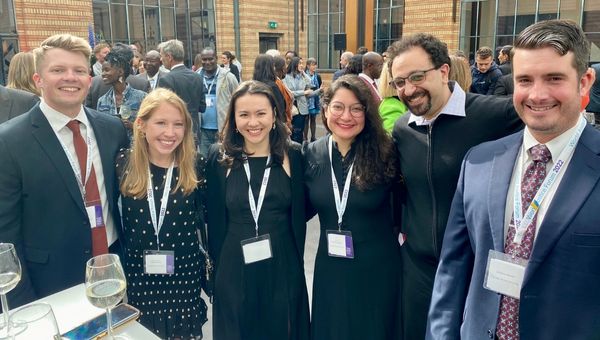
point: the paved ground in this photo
(310, 251)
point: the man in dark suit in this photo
(443, 123)
(522, 245)
(98, 88)
(187, 84)
(15, 102)
(153, 72)
(505, 86)
(58, 196)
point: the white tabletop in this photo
(71, 309)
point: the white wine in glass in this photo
(105, 285)
(10, 275)
(125, 112)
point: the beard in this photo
(419, 109)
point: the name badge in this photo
(94, 213)
(339, 244)
(504, 273)
(256, 249)
(159, 262)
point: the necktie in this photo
(508, 321)
(92, 195)
(152, 83)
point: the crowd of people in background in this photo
(116, 149)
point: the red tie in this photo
(508, 321)
(92, 195)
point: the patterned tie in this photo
(92, 195)
(508, 321)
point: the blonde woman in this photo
(20, 73)
(460, 72)
(159, 186)
(391, 107)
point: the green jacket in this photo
(390, 109)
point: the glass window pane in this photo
(384, 4)
(312, 37)
(7, 17)
(136, 23)
(167, 25)
(149, 2)
(119, 23)
(101, 22)
(548, 9)
(383, 24)
(136, 2)
(323, 6)
(153, 26)
(396, 24)
(166, 3)
(312, 6)
(525, 14)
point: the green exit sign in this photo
(273, 24)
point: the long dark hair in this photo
(264, 68)
(375, 155)
(232, 142)
(293, 66)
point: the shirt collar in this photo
(455, 106)
(176, 66)
(59, 120)
(365, 76)
(555, 146)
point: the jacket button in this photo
(490, 334)
(87, 251)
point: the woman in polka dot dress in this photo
(160, 192)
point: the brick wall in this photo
(39, 19)
(254, 19)
(434, 17)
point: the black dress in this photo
(355, 298)
(266, 299)
(170, 305)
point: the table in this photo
(71, 308)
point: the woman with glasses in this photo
(350, 174)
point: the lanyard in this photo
(208, 89)
(340, 205)
(523, 221)
(75, 165)
(163, 201)
(256, 207)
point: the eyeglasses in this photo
(415, 78)
(337, 109)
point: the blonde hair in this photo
(385, 90)
(20, 73)
(135, 180)
(460, 72)
(66, 42)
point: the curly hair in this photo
(435, 48)
(119, 60)
(375, 154)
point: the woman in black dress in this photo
(160, 192)
(256, 223)
(356, 284)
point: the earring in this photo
(120, 79)
(273, 126)
(237, 131)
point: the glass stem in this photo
(109, 323)
(4, 309)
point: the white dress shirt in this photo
(58, 122)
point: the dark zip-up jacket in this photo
(430, 159)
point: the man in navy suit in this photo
(511, 269)
(187, 84)
(42, 207)
(15, 102)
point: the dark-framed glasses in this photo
(415, 78)
(337, 109)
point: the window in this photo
(389, 18)
(325, 17)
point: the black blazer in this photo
(41, 207)
(215, 203)
(190, 87)
(98, 88)
(15, 102)
(144, 76)
(505, 86)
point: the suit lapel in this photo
(501, 174)
(579, 180)
(105, 154)
(45, 136)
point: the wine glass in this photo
(105, 284)
(35, 321)
(10, 275)
(125, 112)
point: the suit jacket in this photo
(144, 76)
(98, 89)
(505, 86)
(41, 207)
(15, 102)
(190, 87)
(560, 298)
